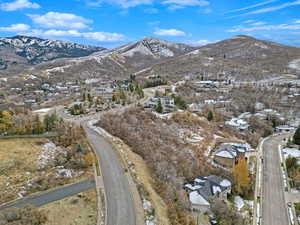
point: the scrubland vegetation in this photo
(173, 162)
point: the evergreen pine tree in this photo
(296, 138)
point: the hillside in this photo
(240, 57)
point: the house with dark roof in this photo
(202, 189)
(227, 154)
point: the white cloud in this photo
(95, 3)
(297, 21)
(180, 4)
(153, 23)
(95, 36)
(249, 21)
(19, 4)
(199, 42)
(151, 11)
(258, 23)
(186, 2)
(272, 9)
(104, 36)
(169, 32)
(60, 20)
(252, 6)
(207, 10)
(175, 7)
(266, 28)
(16, 28)
(129, 3)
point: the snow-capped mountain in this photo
(154, 47)
(117, 62)
(23, 50)
(150, 50)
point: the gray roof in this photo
(207, 187)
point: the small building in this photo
(284, 128)
(196, 108)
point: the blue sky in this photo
(110, 23)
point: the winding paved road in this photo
(274, 211)
(120, 203)
(46, 197)
(120, 208)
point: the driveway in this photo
(46, 197)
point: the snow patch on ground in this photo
(45, 110)
(291, 152)
(217, 136)
(295, 64)
(99, 130)
(239, 202)
(141, 49)
(195, 139)
(261, 45)
(149, 212)
(48, 154)
(67, 173)
(166, 116)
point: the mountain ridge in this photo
(25, 50)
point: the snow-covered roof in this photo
(239, 202)
(225, 183)
(225, 154)
(199, 180)
(216, 189)
(192, 187)
(291, 152)
(197, 199)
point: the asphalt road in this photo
(120, 203)
(46, 197)
(274, 211)
(121, 209)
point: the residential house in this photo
(228, 154)
(284, 128)
(167, 103)
(195, 107)
(105, 93)
(238, 123)
(202, 189)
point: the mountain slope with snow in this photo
(24, 51)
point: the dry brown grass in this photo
(76, 210)
(17, 164)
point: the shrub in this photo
(24, 216)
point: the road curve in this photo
(46, 197)
(120, 204)
(274, 211)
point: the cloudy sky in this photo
(110, 23)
